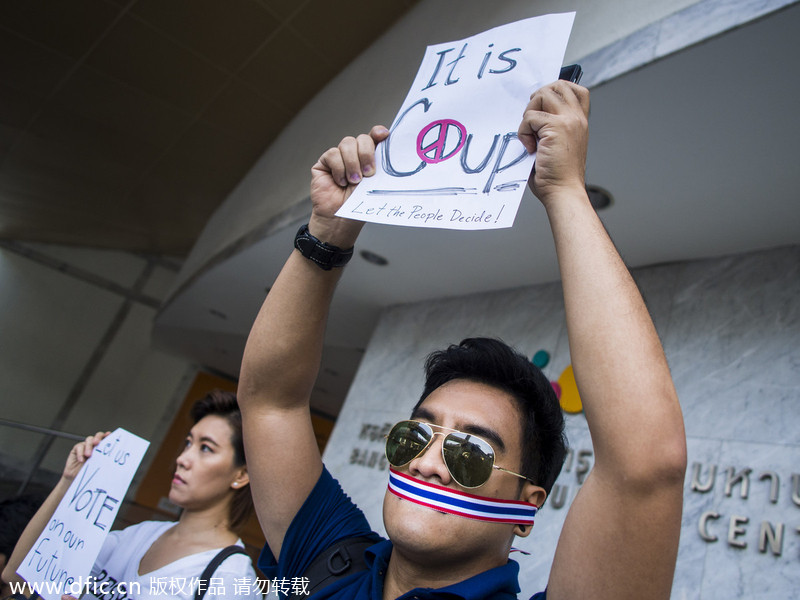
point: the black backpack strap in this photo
(339, 560)
(202, 584)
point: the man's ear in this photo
(242, 479)
(532, 494)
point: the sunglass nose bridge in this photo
(430, 460)
(431, 443)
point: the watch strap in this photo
(326, 256)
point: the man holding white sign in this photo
(475, 461)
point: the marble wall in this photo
(730, 328)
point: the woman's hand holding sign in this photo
(80, 453)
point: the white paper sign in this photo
(61, 559)
(452, 159)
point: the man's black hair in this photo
(493, 362)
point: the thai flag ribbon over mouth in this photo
(459, 503)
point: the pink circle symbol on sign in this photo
(434, 148)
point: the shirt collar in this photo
(497, 583)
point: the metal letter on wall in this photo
(742, 477)
(796, 488)
(734, 531)
(768, 534)
(774, 484)
(558, 496)
(702, 525)
(568, 460)
(697, 486)
(584, 466)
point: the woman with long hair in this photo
(160, 559)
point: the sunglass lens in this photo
(469, 459)
(405, 442)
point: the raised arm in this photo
(77, 457)
(620, 538)
(283, 351)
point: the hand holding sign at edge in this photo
(76, 459)
(333, 178)
(554, 126)
(80, 453)
(76, 516)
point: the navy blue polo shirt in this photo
(327, 516)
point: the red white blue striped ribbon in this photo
(459, 503)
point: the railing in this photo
(44, 431)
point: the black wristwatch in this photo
(324, 255)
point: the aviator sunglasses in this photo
(468, 458)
